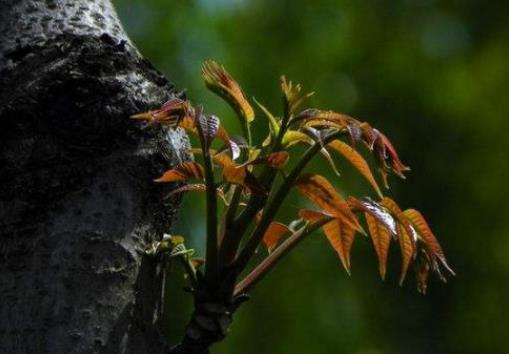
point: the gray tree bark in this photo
(77, 201)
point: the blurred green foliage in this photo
(433, 75)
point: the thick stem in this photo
(212, 268)
(210, 321)
(230, 241)
(255, 203)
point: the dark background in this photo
(434, 76)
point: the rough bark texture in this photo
(77, 202)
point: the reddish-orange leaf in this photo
(275, 160)
(386, 155)
(339, 234)
(183, 172)
(175, 104)
(429, 239)
(406, 234)
(312, 216)
(341, 238)
(378, 212)
(348, 238)
(222, 134)
(407, 246)
(148, 116)
(187, 123)
(240, 175)
(278, 159)
(220, 81)
(273, 235)
(357, 161)
(155, 117)
(397, 166)
(321, 193)
(223, 160)
(381, 237)
(234, 174)
(169, 114)
(394, 209)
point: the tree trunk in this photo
(77, 201)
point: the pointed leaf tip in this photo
(182, 172)
(321, 193)
(430, 256)
(341, 237)
(406, 235)
(219, 81)
(357, 161)
(292, 96)
(273, 235)
(381, 238)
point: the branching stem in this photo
(274, 204)
(256, 202)
(268, 263)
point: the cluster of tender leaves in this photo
(241, 172)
